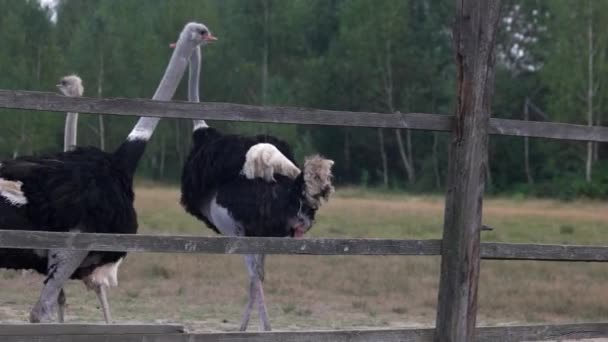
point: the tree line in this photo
(359, 55)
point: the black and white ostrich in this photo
(83, 190)
(250, 186)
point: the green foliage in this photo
(359, 55)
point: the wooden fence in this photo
(460, 248)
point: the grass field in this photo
(208, 292)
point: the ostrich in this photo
(70, 86)
(250, 186)
(83, 190)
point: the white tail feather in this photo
(264, 160)
(11, 191)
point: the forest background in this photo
(357, 55)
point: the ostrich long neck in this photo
(70, 132)
(131, 151)
(193, 83)
(177, 65)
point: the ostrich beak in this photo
(210, 38)
(172, 45)
(58, 85)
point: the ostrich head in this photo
(71, 86)
(317, 188)
(196, 34)
(317, 180)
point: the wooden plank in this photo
(549, 130)
(216, 245)
(493, 334)
(219, 111)
(309, 246)
(543, 252)
(89, 329)
(474, 35)
(237, 112)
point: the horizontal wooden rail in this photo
(502, 334)
(309, 246)
(238, 112)
(89, 329)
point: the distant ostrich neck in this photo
(193, 83)
(70, 138)
(71, 86)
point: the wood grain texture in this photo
(484, 334)
(474, 35)
(309, 246)
(236, 112)
(215, 245)
(88, 329)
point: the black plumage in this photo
(86, 189)
(214, 166)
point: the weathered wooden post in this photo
(474, 36)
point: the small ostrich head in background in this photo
(317, 189)
(197, 34)
(71, 86)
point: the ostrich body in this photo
(83, 190)
(250, 186)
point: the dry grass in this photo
(208, 292)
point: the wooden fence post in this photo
(474, 36)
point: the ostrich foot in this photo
(100, 290)
(264, 321)
(42, 312)
(61, 306)
(252, 298)
(62, 264)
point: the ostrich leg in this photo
(255, 269)
(62, 264)
(253, 291)
(61, 306)
(101, 293)
(264, 321)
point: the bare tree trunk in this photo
(436, 160)
(347, 150)
(527, 145)
(22, 138)
(596, 146)
(384, 159)
(178, 143)
(102, 129)
(410, 153)
(411, 176)
(265, 52)
(39, 64)
(590, 84)
(162, 156)
(387, 78)
(435, 152)
(488, 170)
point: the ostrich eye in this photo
(203, 32)
(63, 82)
